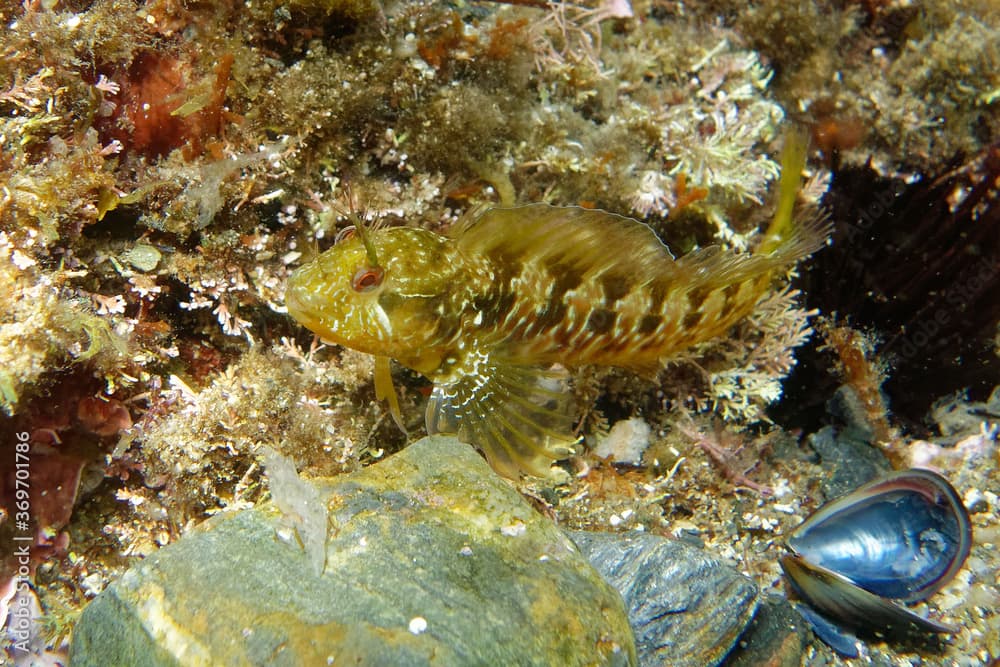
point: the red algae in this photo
(162, 110)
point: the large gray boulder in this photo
(430, 559)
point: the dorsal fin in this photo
(587, 239)
(714, 267)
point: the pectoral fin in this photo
(385, 390)
(521, 417)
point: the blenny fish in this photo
(494, 313)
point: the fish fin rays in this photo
(384, 389)
(591, 242)
(713, 267)
(520, 417)
(588, 240)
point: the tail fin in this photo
(788, 238)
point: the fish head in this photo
(396, 296)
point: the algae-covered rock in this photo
(687, 608)
(430, 559)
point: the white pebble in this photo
(975, 501)
(625, 442)
(418, 624)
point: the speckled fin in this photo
(585, 240)
(521, 417)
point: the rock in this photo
(849, 462)
(686, 607)
(850, 410)
(846, 450)
(431, 559)
(143, 257)
(625, 442)
(777, 637)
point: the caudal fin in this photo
(791, 236)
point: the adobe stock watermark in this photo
(983, 274)
(856, 232)
(20, 615)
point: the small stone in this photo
(777, 637)
(418, 624)
(847, 407)
(625, 442)
(21, 260)
(975, 502)
(513, 530)
(851, 462)
(143, 257)
(92, 584)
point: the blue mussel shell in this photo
(897, 539)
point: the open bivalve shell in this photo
(897, 539)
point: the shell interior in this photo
(902, 537)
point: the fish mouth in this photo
(295, 306)
(299, 308)
(302, 309)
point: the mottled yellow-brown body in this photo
(487, 312)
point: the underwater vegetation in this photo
(904, 86)
(165, 167)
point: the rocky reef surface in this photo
(427, 558)
(165, 165)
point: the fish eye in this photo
(367, 278)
